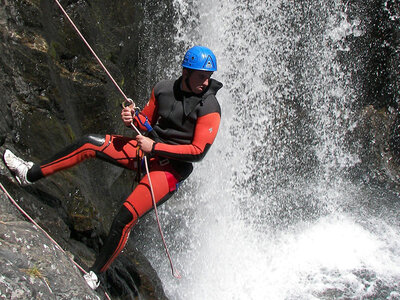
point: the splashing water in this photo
(271, 212)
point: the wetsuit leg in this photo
(119, 150)
(116, 240)
(137, 204)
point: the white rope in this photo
(175, 273)
(91, 50)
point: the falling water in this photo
(273, 212)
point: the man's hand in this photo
(145, 143)
(127, 115)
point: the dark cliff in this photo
(53, 91)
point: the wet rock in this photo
(375, 133)
(32, 267)
(53, 91)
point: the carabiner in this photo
(127, 102)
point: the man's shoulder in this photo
(210, 95)
(209, 105)
(164, 85)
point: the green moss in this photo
(52, 51)
(34, 272)
(34, 2)
(70, 133)
(81, 212)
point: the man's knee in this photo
(94, 139)
(123, 218)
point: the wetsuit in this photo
(183, 126)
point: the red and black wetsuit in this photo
(184, 127)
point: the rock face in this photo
(378, 86)
(53, 91)
(32, 267)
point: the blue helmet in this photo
(200, 58)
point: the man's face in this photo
(199, 80)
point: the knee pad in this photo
(94, 139)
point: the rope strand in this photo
(91, 50)
(175, 273)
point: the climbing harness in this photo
(44, 231)
(175, 273)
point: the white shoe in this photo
(18, 166)
(92, 280)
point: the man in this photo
(180, 123)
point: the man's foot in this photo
(92, 280)
(18, 166)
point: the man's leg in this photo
(137, 204)
(121, 151)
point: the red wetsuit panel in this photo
(122, 150)
(139, 202)
(204, 134)
(163, 181)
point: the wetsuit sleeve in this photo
(204, 134)
(149, 112)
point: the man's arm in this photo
(204, 135)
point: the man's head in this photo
(198, 64)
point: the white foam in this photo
(250, 224)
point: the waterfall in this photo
(273, 211)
